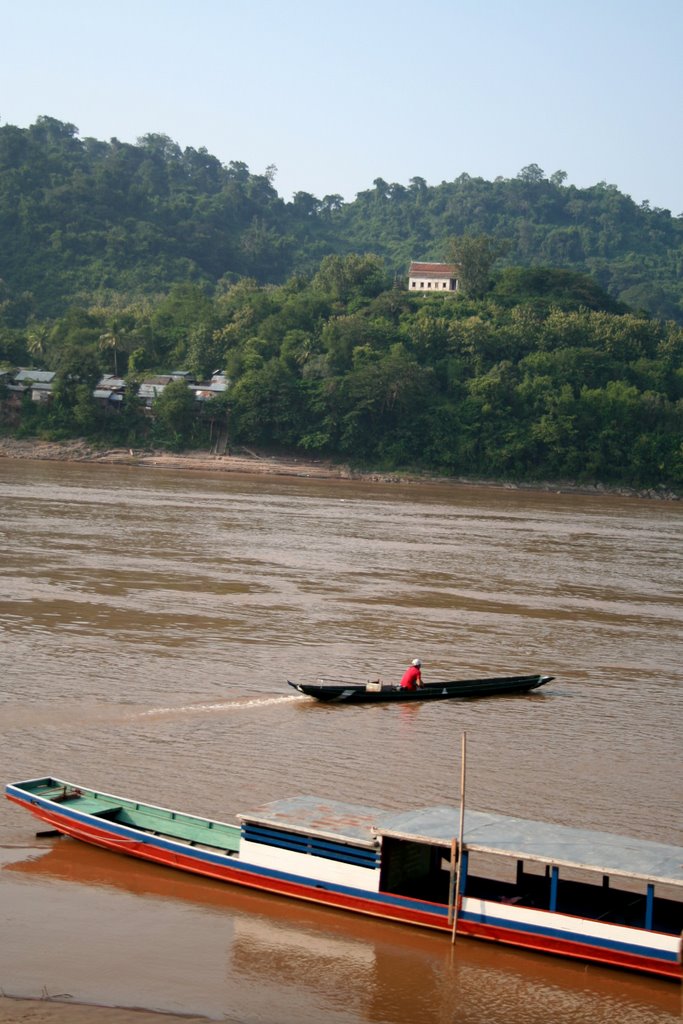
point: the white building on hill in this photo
(434, 277)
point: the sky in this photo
(336, 94)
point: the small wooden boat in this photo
(550, 888)
(374, 691)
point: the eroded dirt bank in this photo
(267, 463)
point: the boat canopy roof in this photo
(330, 819)
(484, 832)
(544, 842)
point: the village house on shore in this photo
(423, 277)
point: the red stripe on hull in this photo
(570, 948)
(230, 872)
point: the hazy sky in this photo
(336, 94)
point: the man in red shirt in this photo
(412, 677)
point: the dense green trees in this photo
(174, 414)
(140, 259)
(113, 224)
(558, 384)
(475, 257)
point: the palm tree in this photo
(37, 339)
(114, 338)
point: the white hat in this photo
(416, 662)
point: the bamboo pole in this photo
(451, 881)
(456, 903)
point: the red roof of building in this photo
(434, 269)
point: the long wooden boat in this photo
(375, 691)
(549, 888)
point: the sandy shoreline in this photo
(269, 464)
(245, 462)
(53, 1011)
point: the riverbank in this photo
(270, 464)
(55, 1011)
(242, 462)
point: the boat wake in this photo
(239, 704)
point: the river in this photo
(150, 620)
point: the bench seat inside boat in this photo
(177, 828)
(89, 806)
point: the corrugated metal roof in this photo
(111, 396)
(542, 841)
(484, 832)
(309, 815)
(37, 376)
(153, 386)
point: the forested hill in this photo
(92, 222)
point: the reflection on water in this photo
(306, 960)
(149, 624)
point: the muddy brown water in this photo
(149, 622)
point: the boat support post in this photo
(461, 832)
(650, 907)
(554, 882)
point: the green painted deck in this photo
(144, 817)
